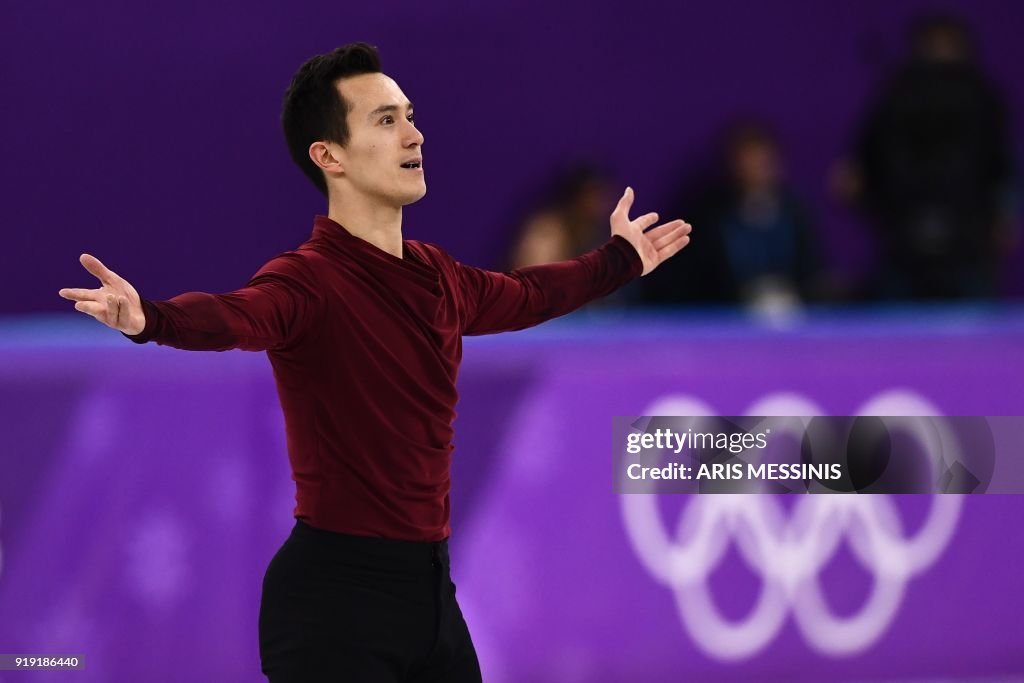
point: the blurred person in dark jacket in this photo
(933, 171)
(757, 245)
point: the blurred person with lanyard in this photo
(364, 333)
(759, 247)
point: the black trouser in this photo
(351, 608)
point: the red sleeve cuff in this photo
(629, 253)
(152, 314)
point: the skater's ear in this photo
(328, 157)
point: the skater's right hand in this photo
(115, 304)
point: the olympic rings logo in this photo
(789, 551)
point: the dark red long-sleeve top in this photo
(365, 349)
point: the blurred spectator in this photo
(933, 170)
(753, 242)
(571, 219)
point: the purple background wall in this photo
(148, 134)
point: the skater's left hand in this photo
(656, 245)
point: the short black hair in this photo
(314, 108)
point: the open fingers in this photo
(625, 203)
(106, 310)
(660, 231)
(646, 221)
(96, 267)
(670, 248)
(97, 309)
(78, 294)
(666, 234)
(113, 310)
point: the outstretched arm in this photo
(497, 302)
(277, 307)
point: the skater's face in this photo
(383, 159)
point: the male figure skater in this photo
(364, 333)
